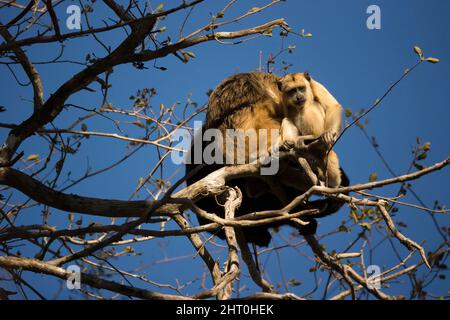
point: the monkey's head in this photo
(296, 89)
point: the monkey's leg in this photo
(290, 137)
(333, 171)
(287, 139)
(289, 132)
(333, 112)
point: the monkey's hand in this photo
(287, 145)
(328, 138)
(302, 143)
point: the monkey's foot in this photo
(287, 145)
(328, 138)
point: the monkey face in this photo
(296, 96)
(296, 89)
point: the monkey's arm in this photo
(322, 95)
(333, 111)
(290, 137)
(289, 131)
(333, 119)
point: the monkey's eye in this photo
(295, 90)
(292, 91)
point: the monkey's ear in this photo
(307, 75)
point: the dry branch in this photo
(45, 268)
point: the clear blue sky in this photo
(356, 64)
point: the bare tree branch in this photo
(45, 268)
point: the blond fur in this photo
(313, 111)
(254, 101)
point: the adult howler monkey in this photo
(254, 101)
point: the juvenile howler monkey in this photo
(311, 110)
(256, 101)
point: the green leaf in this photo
(187, 55)
(84, 127)
(294, 282)
(254, 9)
(402, 224)
(422, 156)
(348, 112)
(432, 60)
(354, 214)
(268, 33)
(139, 124)
(33, 157)
(140, 104)
(366, 225)
(305, 35)
(426, 146)
(160, 8)
(128, 249)
(419, 52)
(373, 176)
